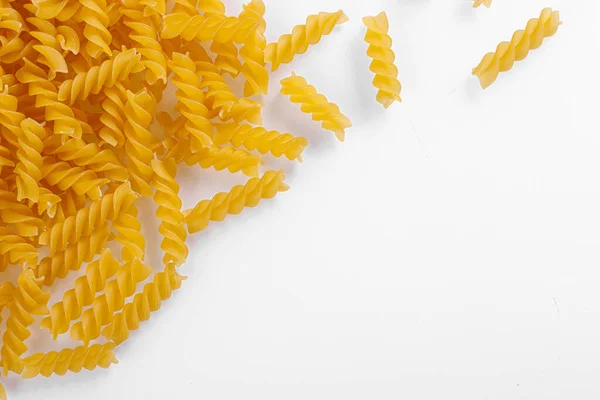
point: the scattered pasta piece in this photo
(380, 50)
(518, 48)
(477, 3)
(316, 104)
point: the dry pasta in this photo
(518, 48)
(477, 3)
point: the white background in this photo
(449, 249)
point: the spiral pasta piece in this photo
(143, 304)
(208, 27)
(233, 160)
(244, 110)
(105, 75)
(253, 53)
(81, 295)
(12, 212)
(17, 249)
(140, 144)
(477, 3)
(71, 259)
(227, 60)
(28, 169)
(169, 213)
(144, 34)
(29, 300)
(47, 203)
(315, 104)
(241, 196)
(219, 96)
(10, 117)
(129, 235)
(261, 139)
(112, 300)
(113, 118)
(380, 50)
(49, 49)
(94, 14)
(86, 220)
(74, 360)
(302, 36)
(211, 6)
(191, 101)
(518, 48)
(82, 181)
(62, 10)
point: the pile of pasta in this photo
(80, 81)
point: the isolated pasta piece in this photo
(209, 27)
(380, 50)
(518, 48)
(302, 36)
(316, 104)
(477, 3)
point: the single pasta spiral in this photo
(74, 360)
(112, 300)
(28, 169)
(19, 215)
(48, 46)
(477, 3)
(113, 118)
(169, 213)
(29, 300)
(219, 96)
(244, 110)
(105, 75)
(315, 104)
(208, 27)
(94, 14)
(191, 100)
(380, 50)
(227, 58)
(16, 249)
(86, 220)
(253, 52)
(129, 235)
(140, 143)
(71, 259)
(143, 304)
(248, 195)
(517, 49)
(62, 10)
(81, 181)
(82, 294)
(233, 160)
(302, 36)
(261, 139)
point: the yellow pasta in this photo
(302, 36)
(315, 104)
(28, 169)
(517, 49)
(380, 50)
(253, 52)
(241, 196)
(477, 3)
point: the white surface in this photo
(447, 250)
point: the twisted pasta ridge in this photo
(49, 49)
(208, 27)
(93, 13)
(315, 104)
(186, 6)
(253, 53)
(12, 212)
(29, 300)
(144, 34)
(46, 96)
(10, 117)
(144, 303)
(71, 259)
(62, 10)
(302, 36)
(380, 50)
(261, 139)
(86, 220)
(129, 235)
(112, 300)
(17, 249)
(241, 196)
(81, 295)
(233, 160)
(105, 75)
(90, 155)
(82, 181)
(169, 213)
(211, 6)
(191, 100)
(140, 142)
(227, 58)
(113, 118)
(244, 110)
(477, 3)
(47, 203)
(219, 96)
(74, 360)
(518, 48)
(28, 169)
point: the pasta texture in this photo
(380, 50)
(522, 42)
(315, 104)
